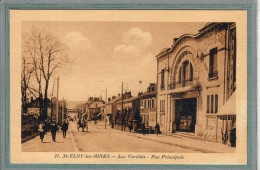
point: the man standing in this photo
(143, 129)
(54, 129)
(157, 128)
(64, 128)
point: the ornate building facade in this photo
(196, 80)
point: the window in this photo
(231, 63)
(208, 100)
(185, 73)
(216, 103)
(162, 79)
(180, 72)
(211, 106)
(162, 105)
(191, 72)
(144, 103)
(152, 103)
(213, 63)
(148, 104)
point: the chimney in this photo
(128, 95)
(174, 40)
(140, 93)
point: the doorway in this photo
(185, 114)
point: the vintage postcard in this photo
(128, 87)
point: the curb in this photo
(168, 143)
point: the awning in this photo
(229, 107)
(228, 111)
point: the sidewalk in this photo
(175, 140)
(61, 145)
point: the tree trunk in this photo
(45, 108)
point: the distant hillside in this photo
(74, 104)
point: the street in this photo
(99, 139)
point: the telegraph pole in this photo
(62, 113)
(122, 109)
(105, 114)
(52, 101)
(106, 96)
(57, 102)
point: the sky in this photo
(105, 54)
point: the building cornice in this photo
(206, 29)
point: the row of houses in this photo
(196, 85)
(140, 109)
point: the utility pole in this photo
(52, 101)
(57, 102)
(122, 109)
(106, 96)
(62, 113)
(105, 114)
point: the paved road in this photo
(97, 139)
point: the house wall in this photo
(36, 111)
(171, 62)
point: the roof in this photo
(128, 100)
(145, 94)
(201, 32)
(114, 100)
(208, 26)
(35, 103)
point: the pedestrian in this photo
(64, 128)
(46, 127)
(54, 129)
(157, 128)
(79, 122)
(143, 129)
(42, 131)
(131, 126)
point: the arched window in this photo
(185, 73)
(191, 72)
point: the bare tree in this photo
(47, 54)
(25, 80)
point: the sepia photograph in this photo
(175, 91)
(129, 90)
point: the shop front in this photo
(185, 114)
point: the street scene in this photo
(93, 141)
(88, 88)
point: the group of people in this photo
(44, 128)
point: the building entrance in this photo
(185, 114)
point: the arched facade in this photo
(195, 79)
(184, 68)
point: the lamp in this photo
(200, 55)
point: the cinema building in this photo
(196, 80)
